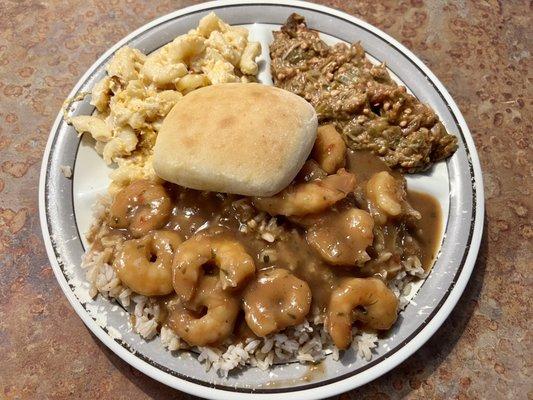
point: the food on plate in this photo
(275, 300)
(303, 198)
(378, 303)
(141, 207)
(139, 90)
(360, 98)
(281, 265)
(207, 318)
(145, 264)
(329, 149)
(238, 228)
(232, 260)
(350, 231)
(253, 140)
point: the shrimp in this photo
(385, 193)
(145, 264)
(379, 303)
(235, 264)
(141, 207)
(329, 150)
(221, 310)
(275, 300)
(342, 237)
(308, 198)
(387, 198)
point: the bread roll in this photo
(243, 138)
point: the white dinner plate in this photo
(65, 212)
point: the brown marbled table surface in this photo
(481, 51)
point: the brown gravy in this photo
(283, 244)
(427, 230)
(364, 164)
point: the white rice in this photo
(66, 170)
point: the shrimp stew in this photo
(226, 267)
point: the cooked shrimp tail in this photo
(145, 264)
(275, 300)
(309, 198)
(235, 264)
(141, 207)
(221, 311)
(378, 301)
(329, 150)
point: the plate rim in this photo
(312, 393)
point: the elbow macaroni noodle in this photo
(139, 90)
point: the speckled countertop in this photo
(481, 51)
